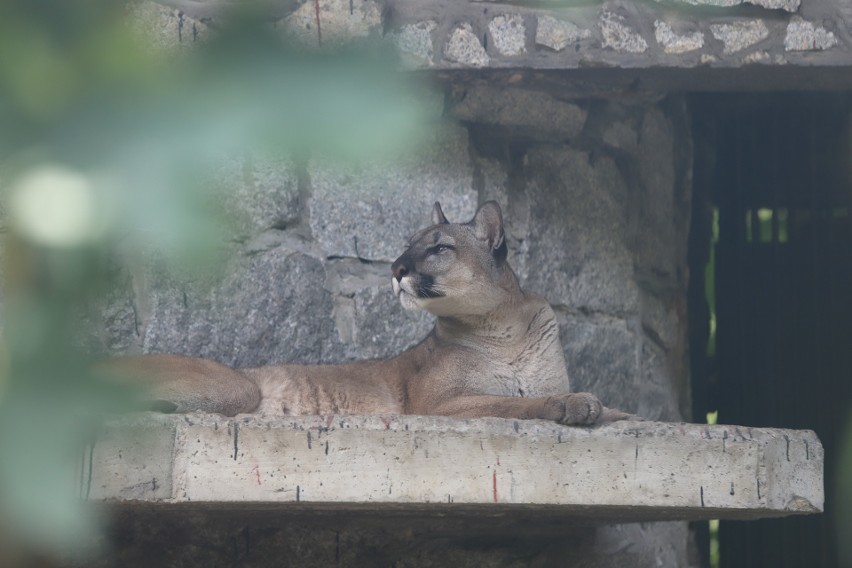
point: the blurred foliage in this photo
(108, 143)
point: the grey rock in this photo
(382, 327)
(656, 398)
(537, 114)
(739, 35)
(370, 321)
(558, 34)
(166, 28)
(267, 308)
(656, 242)
(371, 212)
(341, 21)
(619, 36)
(111, 326)
(578, 251)
(508, 34)
(677, 43)
(663, 543)
(602, 359)
(616, 125)
(465, 48)
(664, 319)
(807, 36)
(761, 57)
(415, 42)
(258, 193)
(787, 5)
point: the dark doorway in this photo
(773, 201)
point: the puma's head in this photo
(455, 269)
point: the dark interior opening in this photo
(771, 241)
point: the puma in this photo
(494, 350)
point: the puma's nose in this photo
(402, 266)
(399, 270)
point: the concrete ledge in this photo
(423, 465)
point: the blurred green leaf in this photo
(139, 132)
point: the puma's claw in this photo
(613, 415)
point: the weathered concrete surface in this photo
(618, 472)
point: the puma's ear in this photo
(488, 225)
(438, 215)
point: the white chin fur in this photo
(403, 290)
(408, 301)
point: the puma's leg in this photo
(580, 408)
(174, 383)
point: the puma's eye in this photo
(438, 249)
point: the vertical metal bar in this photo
(778, 275)
(738, 243)
(739, 348)
(816, 220)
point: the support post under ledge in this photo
(621, 472)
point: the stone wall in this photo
(448, 34)
(597, 212)
(596, 196)
(596, 199)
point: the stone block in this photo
(508, 34)
(465, 48)
(786, 5)
(656, 243)
(416, 43)
(340, 21)
(369, 319)
(601, 359)
(656, 395)
(675, 43)
(370, 212)
(619, 36)
(533, 113)
(739, 35)
(807, 36)
(558, 34)
(266, 308)
(134, 461)
(579, 254)
(258, 192)
(617, 472)
(165, 28)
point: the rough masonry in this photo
(596, 193)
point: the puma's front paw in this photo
(579, 408)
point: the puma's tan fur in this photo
(494, 350)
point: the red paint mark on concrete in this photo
(256, 470)
(386, 422)
(329, 420)
(494, 484)
(319, 27)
